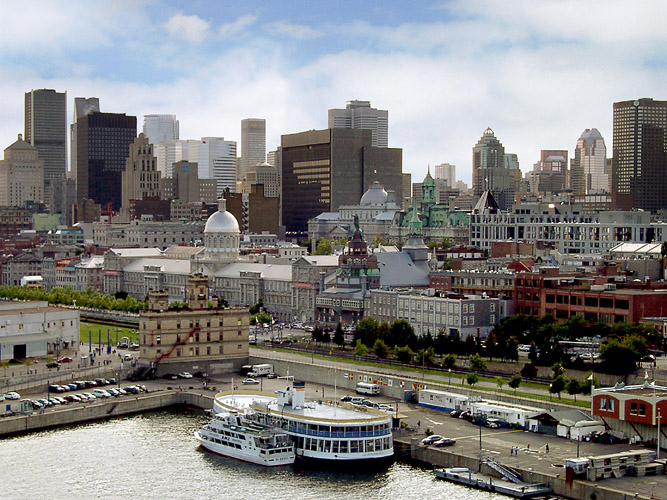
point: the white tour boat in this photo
(324, 431)
(230, 434)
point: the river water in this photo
(155, 456)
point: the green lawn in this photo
(94, 330)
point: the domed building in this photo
(222, 235)
(375, 212)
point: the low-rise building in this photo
(35, 329)
(197, 339)
(434, 312)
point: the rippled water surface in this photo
(155, 456)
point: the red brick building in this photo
(635, 404)
(597, 298)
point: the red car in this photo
(444, 442)
(66, 359)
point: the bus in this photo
(368, 389)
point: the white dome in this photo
(376, 195)
(222, 221)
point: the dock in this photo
(465, 476)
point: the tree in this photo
(360, 349)
(367, 331)
(401, 333)
(432, 245)
(515, 382)
(425, 356)
(620, 355)
(589, 382)
(449, 361)
(529, 371)
(339, 335)
(472, 378)
(380, 349)
(404, 354)
(379, 241)
(500, 382)
(445, 243)
(573, 387)
(557, 369)
(323, 247)
(557, 385)
(257, 308)
(476, 362)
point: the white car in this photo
(101, 393)
(250, 381)
(185, 375)
(12, 395)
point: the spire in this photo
(415, 225)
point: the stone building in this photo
(199, 339)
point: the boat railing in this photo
(326, 434)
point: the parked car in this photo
(37, 404)
(431, 439)
(346, 399)
(90, 395)
(185, 375)
(61, 400)
(131, 389)
(112, 381)
(456, 413)
(101, 393)
(55, 388)
(83, 396)
(54, 401)
(53, 364)
(444, 442)
(385, 407)
(250, 381)
(73, 398)
(65, 359)
(113, 392)
(73, 387)
(12, 395)
(272, 375)
(492, 423)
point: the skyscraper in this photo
(140, 178)
(46, 130)
(82, 106)
(360, 115)
(588, 173)
(639, 165)
(217, 157)
(160, 128)
(103, 145)
(493, 172)
(21, 175)
(253, 145)
(446, 172)
(324, 169)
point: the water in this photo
(155, 456)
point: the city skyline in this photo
(445, 71)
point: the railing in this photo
(326, 434)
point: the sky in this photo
(537, 72)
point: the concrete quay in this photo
(77, 413)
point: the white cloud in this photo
(295, 31)
(238, 26)
(189, 28)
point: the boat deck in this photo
(488, 483)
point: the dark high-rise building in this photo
(639, 165)
(493, 172)
(103, 145)
(46, 130)
(324, 169)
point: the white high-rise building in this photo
(168, 153)
(218, 157)
(253, 145)
(447, 172)
(160, 128)
(360, 115)
(588, 172)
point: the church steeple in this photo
(415, 224)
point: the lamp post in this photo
(450, 376)
(658, 450)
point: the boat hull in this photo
(226, 451)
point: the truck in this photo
(368, 389)
(261, 370)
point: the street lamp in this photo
(450, 376)
(658, 450)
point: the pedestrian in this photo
(419, 423)
(529, 446)
(547, 447)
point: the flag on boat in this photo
(299, 386)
